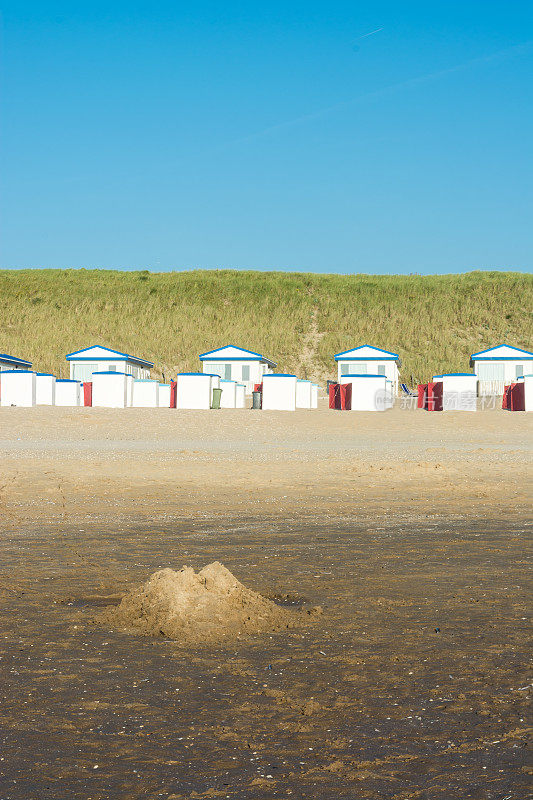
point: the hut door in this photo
(491, 377)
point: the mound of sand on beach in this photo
(194, 607)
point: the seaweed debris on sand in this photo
(199, 607)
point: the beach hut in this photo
(369, 360)
(459, 391)
(528, 392)
(228, 398)
(45, 389)
(304, 392)
(83, 363)
(145, 393)
(130, 381)
(314, 395)
(68, 392)
(369, 392)
(110, 390)
(279, 392)
(240, 396)
(389, 399)
(499, 366)
(164, 395)
(194, 390)
(237, 364)
(17, 387)
(9, 363)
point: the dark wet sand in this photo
(412, 685)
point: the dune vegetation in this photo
(298, 319)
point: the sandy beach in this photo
(411, 531)
(77, 464)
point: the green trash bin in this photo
(256, 399)
(217, 394)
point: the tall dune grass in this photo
(433, 322)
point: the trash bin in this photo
(217, 394)
(256, 400)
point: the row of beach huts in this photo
(368, 379)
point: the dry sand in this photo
(410, 529)
(139, 464)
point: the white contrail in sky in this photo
(364, 36)
(430, 76)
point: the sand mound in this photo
(205, 606)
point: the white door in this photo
(491, 375)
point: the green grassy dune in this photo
(300, 320)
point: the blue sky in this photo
(377, 137)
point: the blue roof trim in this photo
(203, 374)
(123, 356)
(66, 380)
(44, 374)
(111, 372)
(142, 380)
(504, 358)
(14, 360)
(458, 375)
(17, 372)
(256, 356)
(279, 375)
(304, 380)
(368, 358)
(501, 358)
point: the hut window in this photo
(381, 369)
(245, 372)
(356, 368)
(519, 370)
(83, 372)
(227, 372)
(111, 368)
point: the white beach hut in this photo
(164, 395)
(499, 366)
(237, 364)
(110, 390)
(68, 393)
(459, 391)
(17, 387)
(45, 389)
(130, 381)
(304, 392)
(314, 395)
(228, 398)
(240, 396)
(279, 392)
(528, 392)
(9, 363)
(369, 360)
(215, 382)
(369, 392)
(83, 363)
(146, 393)
(194, 390)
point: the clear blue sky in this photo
(384, 137)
